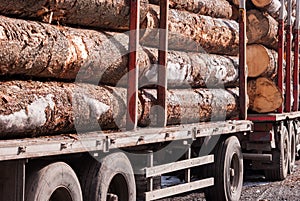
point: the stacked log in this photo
(62, 79)
(33, 108)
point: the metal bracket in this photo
(106, 145)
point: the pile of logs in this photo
(63, 64)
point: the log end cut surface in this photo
(261, 3)
(264, 95)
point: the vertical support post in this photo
(296, 59)
(132, 83)
(188, 171)
(288, 91)
(280, 51)
(162, 62)
(150, 164)
(242, 61)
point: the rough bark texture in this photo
(217, 8)
(262, 29)
(264, 95)
(271, 6)
(192, 32)
(108, 14)
(34, 108)
(31, 108)
(193, 105)
(47, 51)
(265, 66)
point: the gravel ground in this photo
(257, 189)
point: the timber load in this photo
(63, 64)
(33, 108)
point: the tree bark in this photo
(273, 8)
(265, 66)
(264, 95)
(262, 29)
(47, 51)
(31, 108)
(192, 32)
(108, 14)
(217, 8)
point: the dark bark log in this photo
(265, 66)
(217, 8)
(192, 32)
(262, 29)
(29, 108)
(108, 14)
(47, 51)
(264, 95)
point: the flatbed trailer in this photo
(127, 165)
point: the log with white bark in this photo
(261, 61)
(216, 8)
(262, 29)
(31, 108)
(47, 51)
(192, 32)
(97, 13)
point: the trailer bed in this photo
(103, 141)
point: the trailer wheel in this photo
(111, 177)
(227, 171)
(54, 182)
(292, 158)
(280, 158)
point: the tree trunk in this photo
(191, 70)
(108, 14)
(264, 95)
(265, 66)
(47, 51)
(262, 29)
(273, 8)
(217, 8)
(192, 32)
(31, 108)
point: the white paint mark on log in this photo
(80, 46)
(31, 117)
(2, 33)
(97, 108)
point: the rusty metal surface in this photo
(132, 88)
(242, 62)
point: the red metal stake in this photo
(288, 91)
(280, 51)
(296, 60)
(162, 61)
(242, 61)
(132, 88)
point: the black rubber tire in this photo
(227, 171)
(113, 174)
(54, 182)
(292, 158)
(280, 158)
